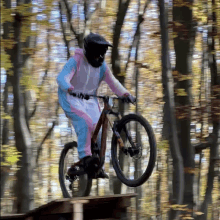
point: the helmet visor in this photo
(98, 50)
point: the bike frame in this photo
(103, 122)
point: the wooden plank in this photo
(12, 216)
(124, 202)
(55, 217)
(107, 197)
(79, 201)
(65, 205)
(59, 207)
(91, 205)
(45, 206)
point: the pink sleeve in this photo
(113, 83)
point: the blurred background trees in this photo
(167, 53)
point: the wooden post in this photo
(78, 209)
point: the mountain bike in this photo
(133, 151)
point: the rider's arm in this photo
(113, 83)
(66, 75)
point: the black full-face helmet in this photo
(95, 47)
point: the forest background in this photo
(167, 53)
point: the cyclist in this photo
(83, 74)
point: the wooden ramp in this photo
(82, 208)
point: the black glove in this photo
(129, 99)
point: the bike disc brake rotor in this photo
(137, 155)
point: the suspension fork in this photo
(128, 135)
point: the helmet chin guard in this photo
(95, 47)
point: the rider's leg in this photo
(82, 124)
(94, 111)
(74, 109)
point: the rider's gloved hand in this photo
(129, 98)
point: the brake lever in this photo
(124, 100)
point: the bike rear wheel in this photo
(80, 185)
(134, 164)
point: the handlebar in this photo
(88, 96)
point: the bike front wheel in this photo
(134, 163)
(79, 185)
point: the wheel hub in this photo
(70, 177)
(135, 152)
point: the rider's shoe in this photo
(89, 165)
(102, 174)
(89, 162)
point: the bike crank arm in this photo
(78, 173)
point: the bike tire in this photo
(152, 159)
(87, 181)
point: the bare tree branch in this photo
(86, 9)
(69, 17)
(135, 39)
(146, 5)
(89, 15)
(63, 31)
(134, 42)
(47, 135)
(37, 101)
(45, 74)
(200, 146)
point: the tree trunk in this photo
(215, 106)
(5, 141)
(201, 92)
(183, 45)
(158, 185)
(50, 175)
(116, 64)
(138, 162)
(178, 178)
(24, 184)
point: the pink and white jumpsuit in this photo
(79, 76)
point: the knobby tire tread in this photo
(66, 148)
(153, 151)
